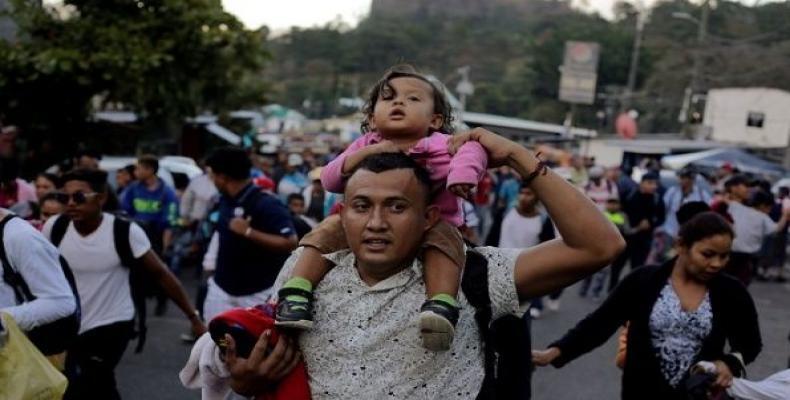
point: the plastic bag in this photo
(25, 374)
(775, 387)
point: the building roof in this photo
(527, 126)
(664, 146)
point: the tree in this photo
(163, 59)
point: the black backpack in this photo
(506, 340)
(137, 276)
(54, 337)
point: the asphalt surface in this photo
(153, 375)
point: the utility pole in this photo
(696, 72)
(632, 71)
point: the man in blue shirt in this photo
(152, 204)
(256, 236)
(686, 191)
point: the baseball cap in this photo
(650, 176)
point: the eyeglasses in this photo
(78, 197)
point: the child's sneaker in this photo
(294, 309)
(437, 324)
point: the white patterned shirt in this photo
(365, 341)
(678, 335)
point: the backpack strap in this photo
(120, 231)
(11, 276)
(474, 284)
(59, 229)
(121, 234)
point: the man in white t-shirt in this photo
(751, 228)
(523, 227)
(103, 285)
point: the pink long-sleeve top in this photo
(466, 167)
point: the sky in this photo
(283, 14)
(279, 15)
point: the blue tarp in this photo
(736, 157)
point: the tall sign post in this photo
(578, 76)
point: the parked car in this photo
(172, 169)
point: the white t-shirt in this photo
(102, 282)
(36, 260)
(520, 232)
(751, 227)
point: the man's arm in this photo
(151, 262)
(782, 223)
(36, 260)
(588, 241)
(278, 243)
(277, 218)
(187, 203)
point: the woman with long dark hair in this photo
(679, 313)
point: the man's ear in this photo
(432, 216)
(102, 197)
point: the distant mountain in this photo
(456, 8)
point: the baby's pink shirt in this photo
(466, 167)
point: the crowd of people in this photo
(383, 229)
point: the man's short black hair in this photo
(91, 153)
(149, 161)
(129, 169)
(762, 198)
(232, 162)
(378, 163)
(736, 180)
(95, 178)
(295, 196)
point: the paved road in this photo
(152, 375)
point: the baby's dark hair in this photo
(440, 103)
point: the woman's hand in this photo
(501, 151)
(542, 358)
(256, 374)
(723, 376)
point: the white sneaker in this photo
(553, 305)
(534, 313)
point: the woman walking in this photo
(680, 313)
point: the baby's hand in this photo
(462, 190)
(385, 146)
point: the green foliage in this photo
(164, 59)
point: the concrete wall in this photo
(727, 112)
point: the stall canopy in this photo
(717, 157)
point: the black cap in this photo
(650, 176)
